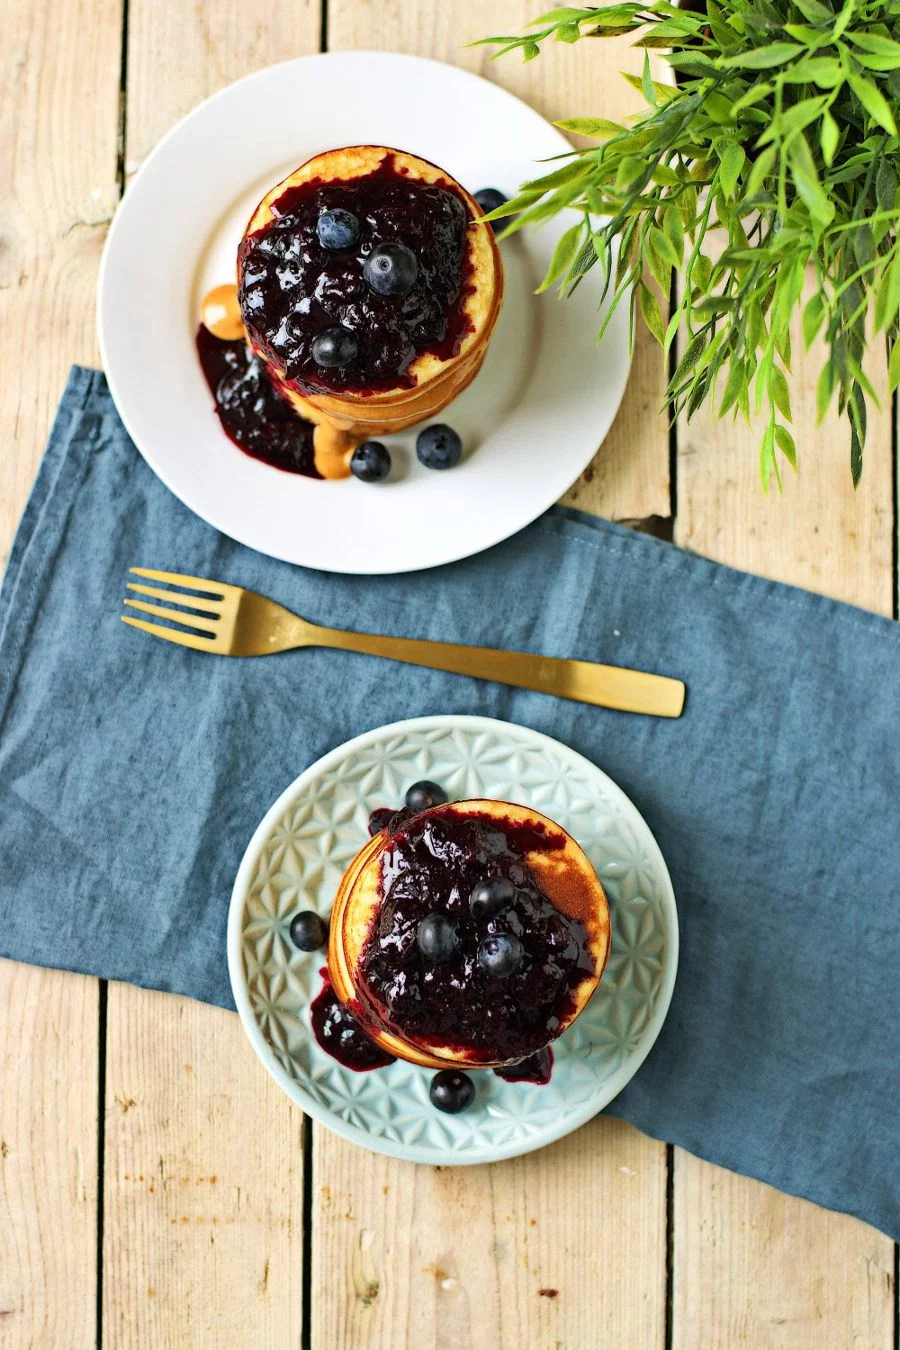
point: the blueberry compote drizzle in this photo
(430, 866)
(252, 412)
(291, 288)
(537, 1068)
(340, 1035)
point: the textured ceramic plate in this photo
(532, 419)
(299, 853)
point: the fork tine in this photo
(183, 638)
(176, 616)
(180, 579)
(195, 602)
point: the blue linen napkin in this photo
(132, 774)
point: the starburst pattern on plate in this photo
(302, 858)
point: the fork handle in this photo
(586, 681)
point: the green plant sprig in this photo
(776, 159)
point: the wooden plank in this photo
(629, 477)
(59, 80)
(559, 1248)
(48, 1158)
(753, 1267)
(203, 1193)
(203, 1233)
(406, 1255)
(758, 1270)
(178, 55)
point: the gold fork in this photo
(231, 621)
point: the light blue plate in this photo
(295, 861)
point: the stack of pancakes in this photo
(564, 875)
(344, 419)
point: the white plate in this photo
(531, 420)
(301, 850)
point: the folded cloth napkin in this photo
(133, 773)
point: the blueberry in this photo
(451, 1091)
(500, 955)
(491, 897)
(391, 269)
(438, 447)
(380, 818)
(334, 347)
(370, 462)
(489, 199)
(437, 937)
(338, 229)
(424, 794)
(308, 930)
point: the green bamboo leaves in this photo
(732, 158)
(763, 58)
(873, 100)
(767, 181)
(806, 180)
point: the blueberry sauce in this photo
(537, 1068)
(291, 288)
(430, 866)
(252, 412)
(340, 1035)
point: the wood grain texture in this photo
(629, 477)
(203, 1196)
(179, 54)
(558, 1248)
(752, 1267)
(48, 1158)
(186, 1100)
(758, 1270)
(58, 129)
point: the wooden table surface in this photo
(156, 1188)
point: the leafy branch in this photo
(768, 178)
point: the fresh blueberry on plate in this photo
(438, 447)
(500, 955)
(491, 897)
(489, 199)
(437, 937)
(337, 229)
(391, 269)
(380, 819)
(308, 930)
(451, 1091)
(334, 347)
(424, 794)
(370, 462)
